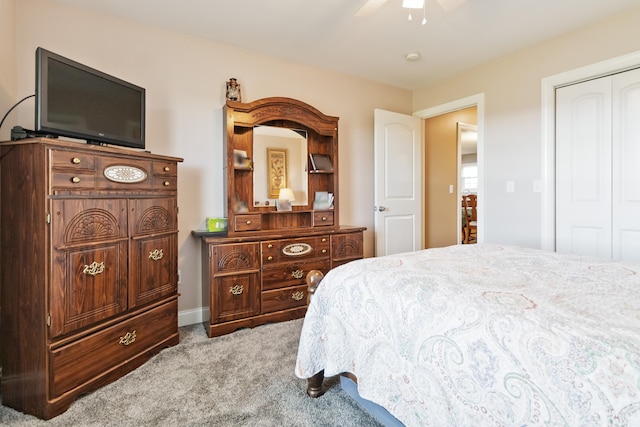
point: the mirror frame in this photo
(240, 120)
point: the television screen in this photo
(77, 101)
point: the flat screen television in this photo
(77, 101)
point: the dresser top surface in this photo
(89, 148)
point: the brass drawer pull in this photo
(167, 169)
(269, 258)
(324, 218)
(94, 268)
(297, 296)
(297, 274)
(236, 290)
(75, 161)
(75, 179)
(128, 338)
(269, 246)
(248, 222)
(324, 239)
(156, 255)
(167, 183)
(324, 251)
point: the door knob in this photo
(379, 208)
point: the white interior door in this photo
(397, 183)
(583, 168)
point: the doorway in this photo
(467, 143)
(442, 193)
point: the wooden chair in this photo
(469, 204)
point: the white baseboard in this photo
(193, 316)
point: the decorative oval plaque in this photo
(297, 249)
(124, 174)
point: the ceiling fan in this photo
(372, 6)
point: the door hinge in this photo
(48, 217)
(49, 320)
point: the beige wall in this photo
(185, 81)
(512, 117)
(184, 77)
(7, 64)
(441, 171)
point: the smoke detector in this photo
(412, 56)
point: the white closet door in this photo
(598, 167)
(583, 168)
(626, 166)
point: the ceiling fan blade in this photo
(449, 5)
(370, 7)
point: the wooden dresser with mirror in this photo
(255, 273)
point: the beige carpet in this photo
(242, 379)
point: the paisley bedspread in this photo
(483, 335)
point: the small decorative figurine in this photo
(233, 90)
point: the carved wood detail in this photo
(91, 224)
(347, 247)
(236, 260)
(154, 218)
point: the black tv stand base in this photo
(18, 132)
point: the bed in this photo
(479, 335)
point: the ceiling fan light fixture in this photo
(413, 4)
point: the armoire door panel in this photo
(152, 270)
(234, 297)
(88, 286)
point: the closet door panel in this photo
(626, 158)
(583, 168)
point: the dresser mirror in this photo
(267, 144)
(279, 161)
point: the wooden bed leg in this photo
(314, 385)
(314, 277)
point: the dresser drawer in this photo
(290, 250)
(252, 222)
(291, 274)
(115, 173)
(80, 180)
(72, 160)
(169, 169)
(282, 299)
(88, 358)
(165, 183)
(322, 218)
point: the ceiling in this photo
(328, 34)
